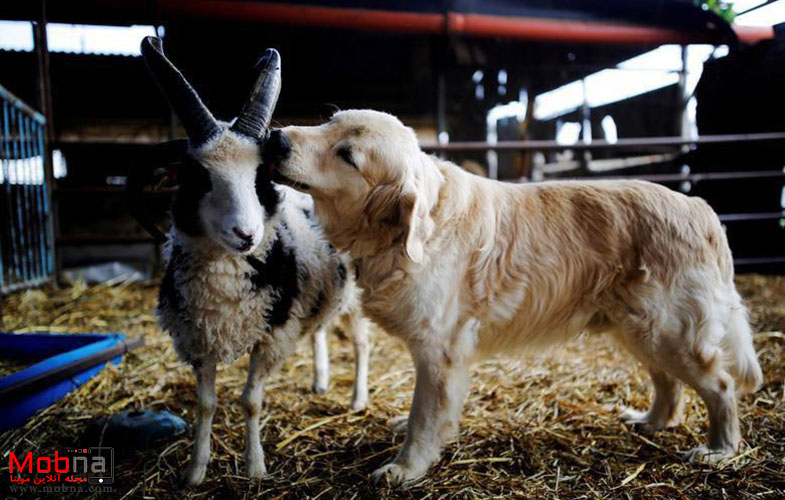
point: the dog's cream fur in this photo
(461, 268)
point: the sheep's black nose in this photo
(276, 149)
(244, 235)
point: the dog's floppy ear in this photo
(394, 209)
(410, 204)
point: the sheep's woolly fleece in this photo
(536, 427)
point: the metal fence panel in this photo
(26, 242)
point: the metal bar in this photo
(39, 209)
(14, 273)
(109, 191)
(44, 76)
(682, 98)
(31, 191)
(19, 203)
(25, 189)
(602, 143)
(36, 192)
(752, 216)
(45, 103)
(35, 383)
(21, 183)
(102, 239)
(20, 105)
(35, 209)
(529, 145)
(3, 240)
(44, 210)
(46, 190)
(698, 177)
(755, 7)
(24, 228)
(441, 98)
(21, 285)
(751, 261)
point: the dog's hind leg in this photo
(688, 348)
(703, 370)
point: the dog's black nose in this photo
(276, 149)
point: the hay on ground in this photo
(535, 427)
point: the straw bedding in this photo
(535, 427)
(9, 366)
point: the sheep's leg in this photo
(321, 362)
(359, 331)
(200, 455)
(252, 406)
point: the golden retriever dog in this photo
(461, 268)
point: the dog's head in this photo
(372, 186)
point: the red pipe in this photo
(307, 15)
(558, 30)
(752, 34)
(529, 28)
(582, 31)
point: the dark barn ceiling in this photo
(326, 68)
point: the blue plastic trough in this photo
(64, 362)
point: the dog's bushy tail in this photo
(740, 353)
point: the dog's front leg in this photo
(439, 393)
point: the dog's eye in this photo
(346, 155)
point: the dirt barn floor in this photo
(534, 427)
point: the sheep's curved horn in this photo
(199, 123)
(258, 110)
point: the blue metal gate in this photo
(26, 243)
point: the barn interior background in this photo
(685, 93)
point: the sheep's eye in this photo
(346, 155)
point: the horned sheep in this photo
(248, 269)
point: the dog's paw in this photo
(631, 416)
(319, 387)
(398, 424)
(643, 420)
(705, 455)
(394, 475)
